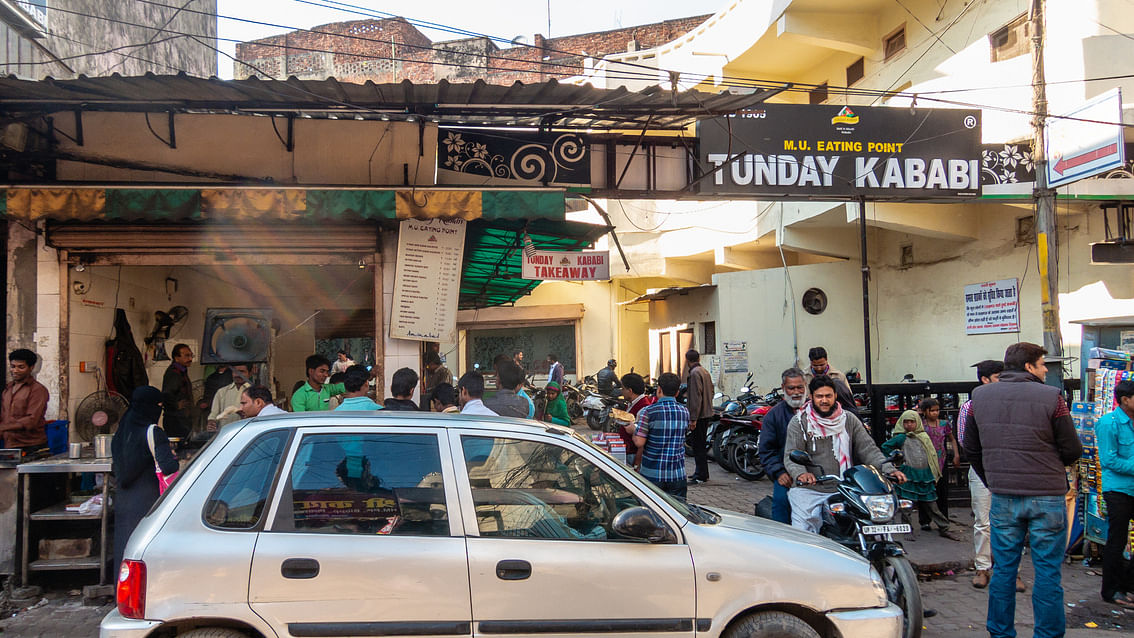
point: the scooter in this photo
(860, 517)
(597, 407)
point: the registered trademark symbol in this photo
(970, 121)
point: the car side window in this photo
(365, 484)
(533, 489)
(238, 500)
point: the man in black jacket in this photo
(177, 392)
(1019, 437)
(607, 380)
(773, 435)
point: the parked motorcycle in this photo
(743, 445)
(597, 407)
(860, 517)
(574, 398)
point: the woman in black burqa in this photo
(133, 465)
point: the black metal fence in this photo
(881, 407)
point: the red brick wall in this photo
(393, 50)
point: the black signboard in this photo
(788, 150)
(561, 159)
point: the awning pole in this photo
(613, 236)
(865, 291)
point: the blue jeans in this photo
(781, 507)
(678, 488)
(1044, 520)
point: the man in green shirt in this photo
(315, 395)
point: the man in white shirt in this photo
(471, 389)
(226, 402)
(257, 401)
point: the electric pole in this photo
(1047, 245)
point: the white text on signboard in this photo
(992, 307)
(564, 266)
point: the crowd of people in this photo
(1015, 430)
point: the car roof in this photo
(398, 417)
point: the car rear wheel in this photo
(213, 632)
(771, 624)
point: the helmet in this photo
(611, 363)
(733, 408)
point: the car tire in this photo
(213, 632)
(771, 624)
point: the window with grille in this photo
(856, 71)
(818, 95)
(1010, 41)
(894, 43)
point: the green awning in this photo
(236, 205)
(491, 275)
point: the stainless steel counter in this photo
(60, 463)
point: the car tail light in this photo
(131, 593)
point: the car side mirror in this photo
(642, 522)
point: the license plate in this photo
(886, 529)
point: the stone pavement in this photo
(960, 607)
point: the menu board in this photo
(427, 280)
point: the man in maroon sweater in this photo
(23, 405)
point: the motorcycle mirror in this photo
(896, 457)
(799, 457)
(641, 522)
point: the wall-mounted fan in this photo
(814, 301)
(235, 335)
(163, 324)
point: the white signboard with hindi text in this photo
(992, 307)
(735, 356)
(551, 265)
(427, 280)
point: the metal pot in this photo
(102, 445)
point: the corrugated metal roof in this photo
(547, 104)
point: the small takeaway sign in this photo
(549, 265)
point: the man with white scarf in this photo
(836, 440)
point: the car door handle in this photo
(513, 569)
(300, 568)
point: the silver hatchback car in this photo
(401, 524)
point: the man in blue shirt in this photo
(1115, 436)
(660, 438)
(356, 380)
(773, 435)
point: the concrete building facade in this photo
(393, 49)
(68, 38)
(764, 255)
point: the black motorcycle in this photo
(860, 517)
(743, 446)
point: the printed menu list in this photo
(427, 280)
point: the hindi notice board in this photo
(548, 265)
(992, 307)
(735, 356)
(427, 280)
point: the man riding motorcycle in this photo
(607, 380)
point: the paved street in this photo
(960, 607)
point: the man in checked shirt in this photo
(988, 371)
(660, 438)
